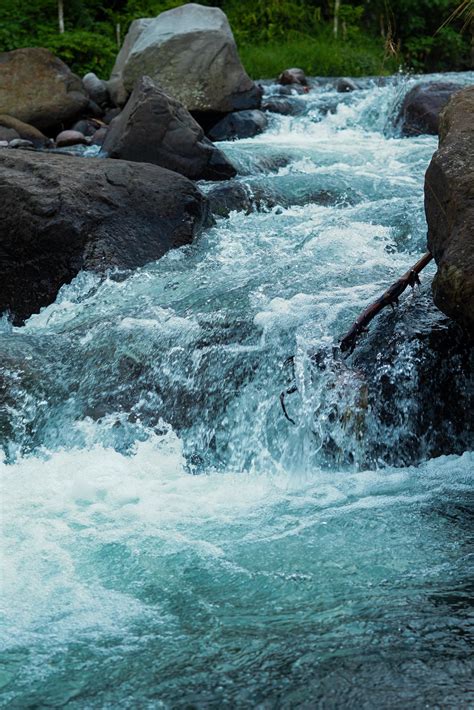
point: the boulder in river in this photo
(344, 85)
(67, 138)
(61, 214)
(38, 88)
(449, 206)
(422, 105)
(156, 128)
(239, 124)
(293, 76)
(191, 52)
(283, 106)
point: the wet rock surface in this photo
(293, 76)
(239, 124)
(63, 214)
(422, 106)
(449, 207)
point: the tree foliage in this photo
(424, 35)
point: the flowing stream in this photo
(170, 539)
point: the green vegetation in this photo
(320, 56)
(373, 36)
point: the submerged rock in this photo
(156, 128)
(239, 124)
(190, 50)
(421, 107)
(38, 88)
(62, 214)
(449, 207)
(344, 85)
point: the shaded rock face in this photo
(239, 124)
(156, 128)
(421, 108)
(62, 214)
(96, 89)
(191, 52)
(24, 130)
(449, 207)
(38, 88)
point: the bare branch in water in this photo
(390, 297)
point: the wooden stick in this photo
(391, 296)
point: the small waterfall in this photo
(169, 533)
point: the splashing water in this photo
(170, 539)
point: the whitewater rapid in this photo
(169, 538)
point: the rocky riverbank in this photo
(177, 86)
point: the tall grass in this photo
(318, 56)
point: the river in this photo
(170, 539)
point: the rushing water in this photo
(170, 538)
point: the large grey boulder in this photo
(449, 207)
(422, 106)
(190, 51)
(117, 91)
(61, 214)
(38, 88)
(156, 128)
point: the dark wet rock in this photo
(156, 128)
(290, 90)
(293, 76)
(61, 214)
(111, 114)
(239, 124)
(96, 89)
(344, 85)
(403, 395)
(190, 51)
(66, 138)
(87, 126)
(20, 143)
(416, 368)
(25, 131)
(99, 136)
(449, 207)
(230, 197)
(286, 107)
(93, 110)
(38, 88)
(421, 107)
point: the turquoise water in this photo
(170, 539)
